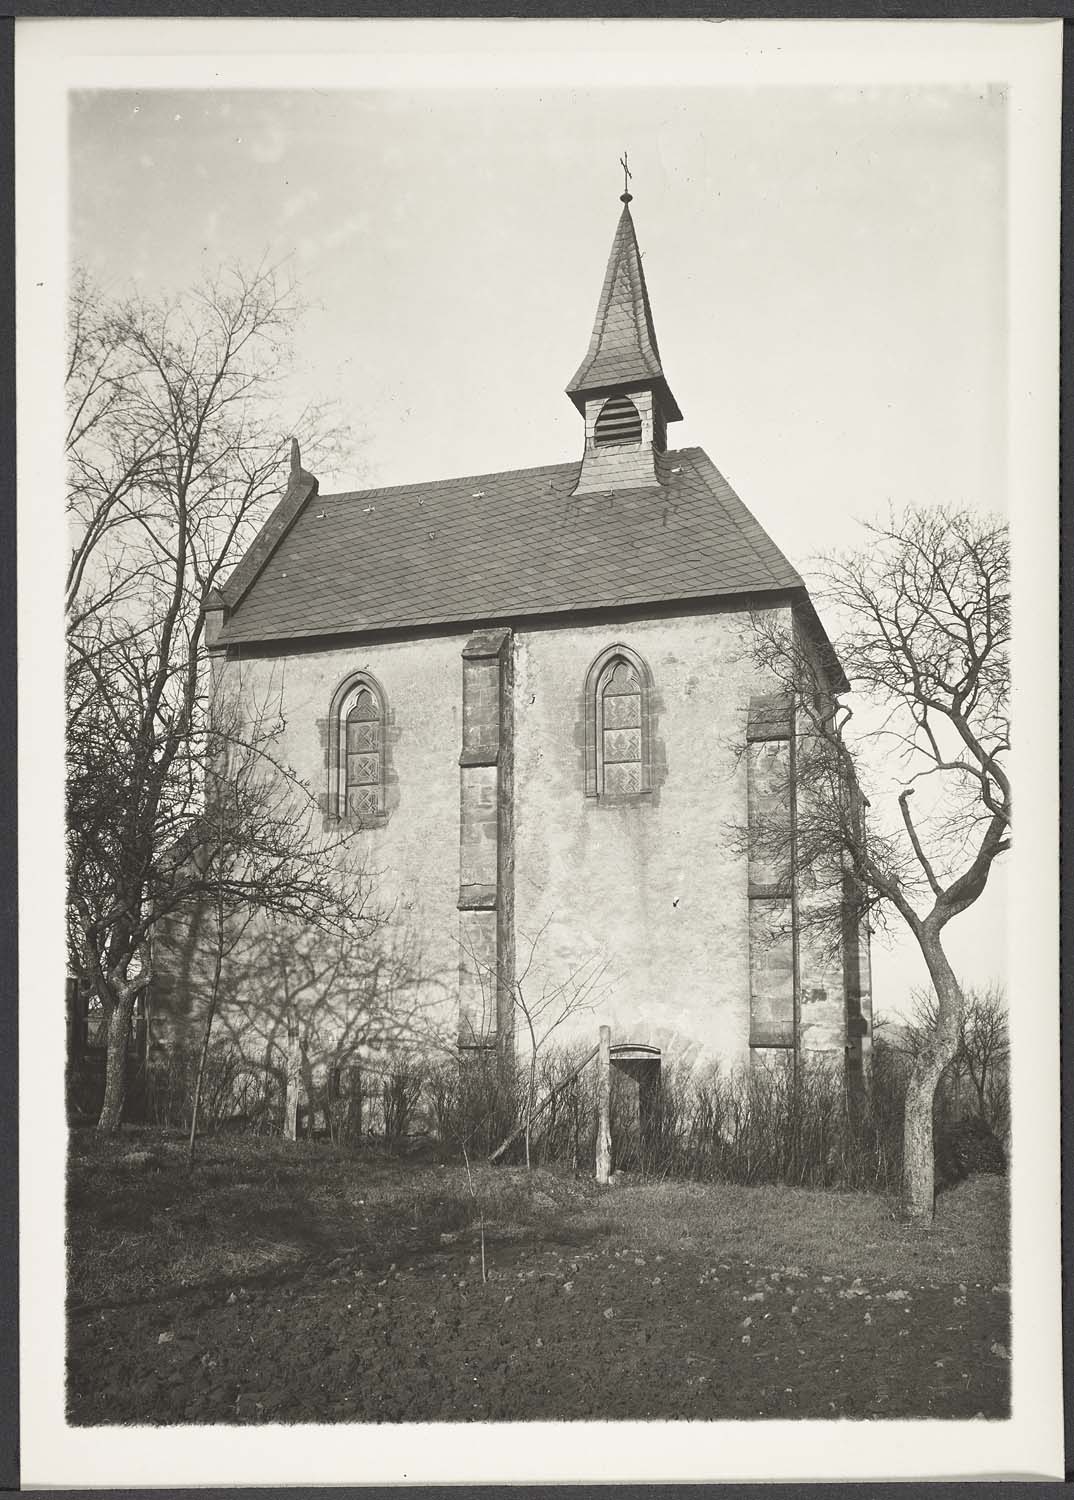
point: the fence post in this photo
(604, 1106)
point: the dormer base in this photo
(620, 452)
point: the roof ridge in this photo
(437, 484)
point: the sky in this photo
(826, 268)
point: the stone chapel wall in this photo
(403, 992)
(657, 891)
(655, 887)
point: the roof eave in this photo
(834, 667)
(301, 487)
(233, 635)
(581, 393)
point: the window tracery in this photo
(356, 759)
(617, 697)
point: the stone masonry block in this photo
(477, 973)
(771, 972)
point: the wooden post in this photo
(604, 1106)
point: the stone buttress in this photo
(772, 914)
(486, 845)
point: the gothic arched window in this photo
(356, 754)
(363, 731)
(617, 694)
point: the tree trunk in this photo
(309, 1087)
(604, 1098)
(919, 1169)
(115, 1065)
(294, 1080)
(531, 1091)
(196, 1107)
(919, 1156)
(200, 1079)
(210, 1013)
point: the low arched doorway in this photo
(635, 1068)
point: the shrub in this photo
(566, 1130)
(236, 1093)
(346, 1099)
(772, 1123)
(778, 1123)
(403, 1088)
(474, 1102)
(966, 1146)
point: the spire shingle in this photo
(622, 348)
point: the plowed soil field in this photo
(337, 1289)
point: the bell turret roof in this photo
(622, 348)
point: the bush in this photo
(403, 1089)
(771, 1123)
(346, 1099)
(780, 1123)
(566, 1131)
(777, 1123)
(473, 1102)
(235, 1093)
(967, 1146)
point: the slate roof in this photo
(496, 547)
(622, 348)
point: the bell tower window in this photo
(619, 422)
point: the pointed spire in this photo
(623, 349)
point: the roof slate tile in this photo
(437, 553)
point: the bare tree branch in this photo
(924, 612)
(175, 444)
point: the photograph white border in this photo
(55, 56)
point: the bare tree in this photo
(544, 1008)
(257, 852)
(318, 1008)
(985, 1046)
(543, 1001)
(903, 801)
(981, 1054)
(174, 448)
(223, 942)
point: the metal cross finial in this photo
(626, 195)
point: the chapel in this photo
(533, 695)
